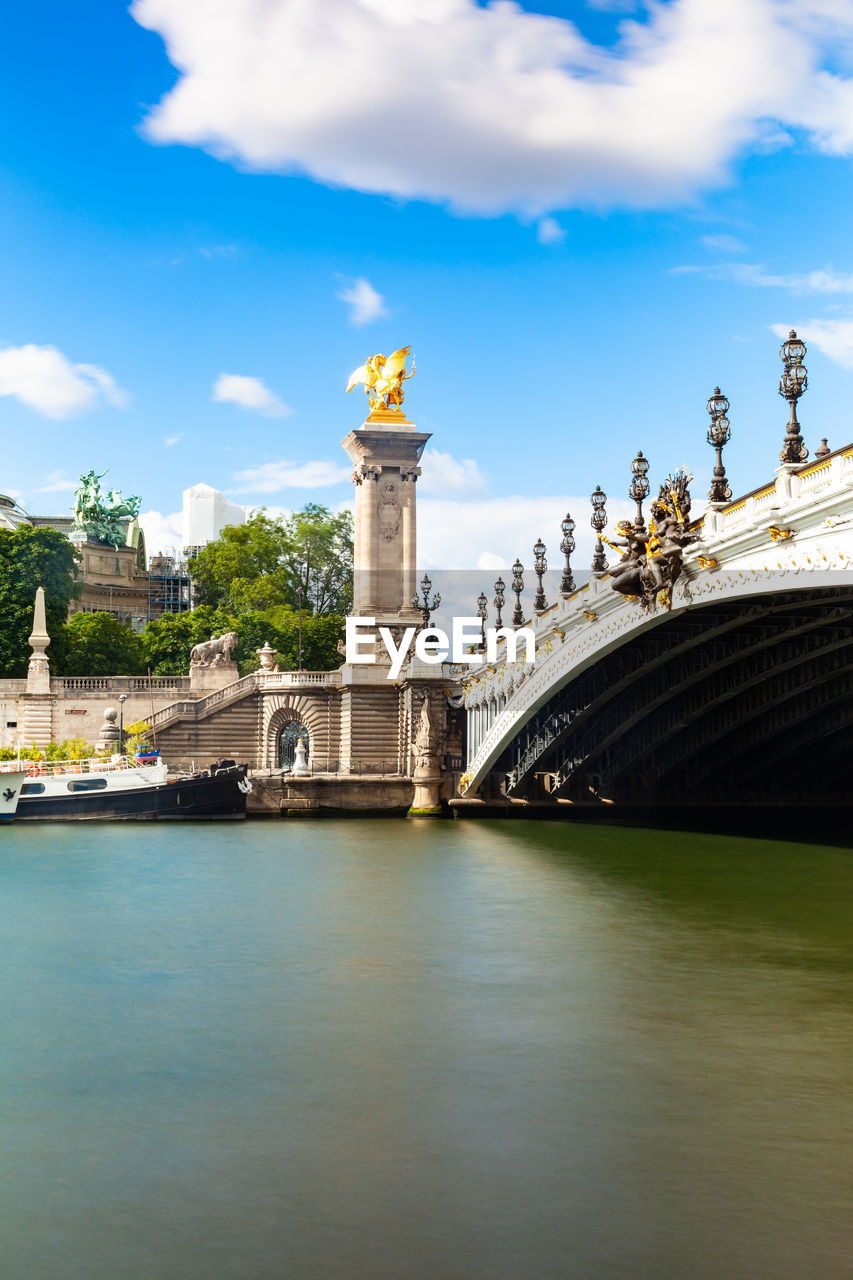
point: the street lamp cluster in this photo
(792, 384)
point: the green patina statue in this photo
(100, 516)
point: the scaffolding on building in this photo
(169, 586)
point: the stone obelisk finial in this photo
(38, 672)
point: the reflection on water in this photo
(377, 1049)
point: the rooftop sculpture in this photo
(100, 516)
(382, 378)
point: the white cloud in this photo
(163, 533)
(270, 477)
(249, 392)
(443, 474)
(494, 107)
(725, 244)
(492, 532)
(364, 302)
(488, 560)
(46, 380)
(825, 281)
(549, 231)
(58, 483)
(169, 441)
(833, 337)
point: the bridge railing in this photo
(788, 520)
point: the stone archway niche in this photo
(289, 734)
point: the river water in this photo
(383, 1049)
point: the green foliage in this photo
(31, 558)
(69, 749)
(280, 628)
(265, 563)
(136, 735)
(97, 644)
(168, 642)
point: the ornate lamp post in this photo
(639, 488)
(792, 384)
(598, 520)
(719, 434)
(518, 587)
(428, 605)
(122, 699)
(540, 564)
(483, 611)
(498, 602)
(567, 546)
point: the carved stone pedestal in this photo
(427, 779)
(427, 772)
(207, 679)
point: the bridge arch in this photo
(638, 708)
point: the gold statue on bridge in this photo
(382, 378)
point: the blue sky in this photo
(579, 225)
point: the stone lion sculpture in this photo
(214, 652)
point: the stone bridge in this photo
(741, 691)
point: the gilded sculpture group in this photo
(652, 558)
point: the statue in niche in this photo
(389, 511)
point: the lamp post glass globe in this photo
(518, 587)
(498, 602)
(567, 546)
(639, 486)
(598, 520)
(792, 384)
(719, 434)
(540, 565)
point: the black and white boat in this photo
(12, 778)
(130, 789)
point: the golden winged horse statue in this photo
(382, 378)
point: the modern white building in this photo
(206, 513)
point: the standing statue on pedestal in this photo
(99, 516)
(382, 378)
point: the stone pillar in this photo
(385, 452)
(408, 477)
(38, 672)
(108, 738)
(36, 722)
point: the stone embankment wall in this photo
(75, 705)
(277, 795)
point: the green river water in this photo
(443, 1050)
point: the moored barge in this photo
(130, 790)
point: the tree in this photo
(168, 640)
(265, 563)
(30, 558)
(97, 644)
(241, 554)
(280, 628)
(321, 559)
